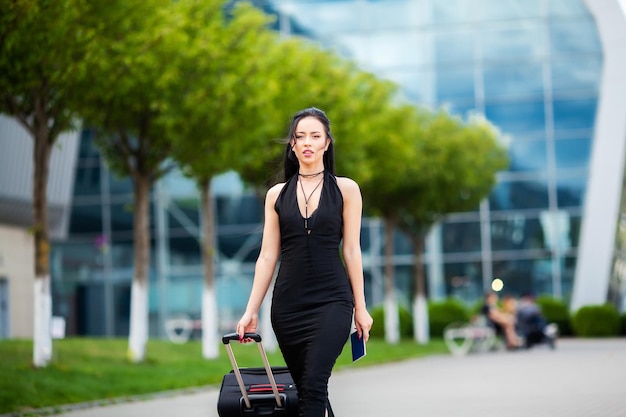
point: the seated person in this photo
(502, 321)
(531, 323)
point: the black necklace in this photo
(306, 202)
(310, 175)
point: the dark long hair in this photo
(291, 162)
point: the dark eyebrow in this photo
(319, 133)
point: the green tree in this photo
(301, 75)
(126, 92)
(390, 156)
(221, 113)
(41, 50)
(455, 167)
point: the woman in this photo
(503, 320)
(306, 219)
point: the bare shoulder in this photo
(349, 188)
(273, 192)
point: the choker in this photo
(311, 175)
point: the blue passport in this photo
(358, 346)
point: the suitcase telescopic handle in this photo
(226, 339)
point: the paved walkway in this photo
(581, 378)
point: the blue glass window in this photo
(460, 237)
(120, 185)
(568, 268)
(122, 256)
(519, 117)
(567, 8)
(229, 290)
(570, 192)
(455, 84)
(339, 16)
(454, 47)
(557, 230)
(72, 253)
(396, 14)
(576, 74)
(240, 242)
(509, 9)
(517, 232)
(453, 11)
(522, 275)
(353, 46)
(403, 244)
(86, 219)
(574, 37)
(527, 155)
(519, 80)
(572, 153)
(180, 186)
(417, 86)
(87, 179)
(574, 114)
(521, 43)
(394, 49)
(184, 295)
(574, 230)
(519, 195)
(464, 280)
(184, 216)
(86, 145)
(185, 251)
(233, 211)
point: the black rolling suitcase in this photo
(256, 391)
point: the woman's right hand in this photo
(247, 324)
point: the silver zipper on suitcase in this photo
(226, 339)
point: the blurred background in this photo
(554, 224)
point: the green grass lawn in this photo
(85, 369)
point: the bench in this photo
(475, 336)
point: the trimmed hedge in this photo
(442, 313)
(596, 321)
(556, 311)
(378, 329)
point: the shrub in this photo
(378, 329)
(442, 313)
(623, 324)
(556, 311)
(596, 321)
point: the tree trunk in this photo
(420, 305)
(138, 335)
(392, 319)
(42, 338)
(209, 296)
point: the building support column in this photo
(606, 170)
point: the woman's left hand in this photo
(363, 322)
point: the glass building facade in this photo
(532, 67)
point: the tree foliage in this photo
(455, 168)
(219, 116)
(41, 50)
(127, 95)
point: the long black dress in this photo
(312, 300)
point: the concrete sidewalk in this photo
(581, 378)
